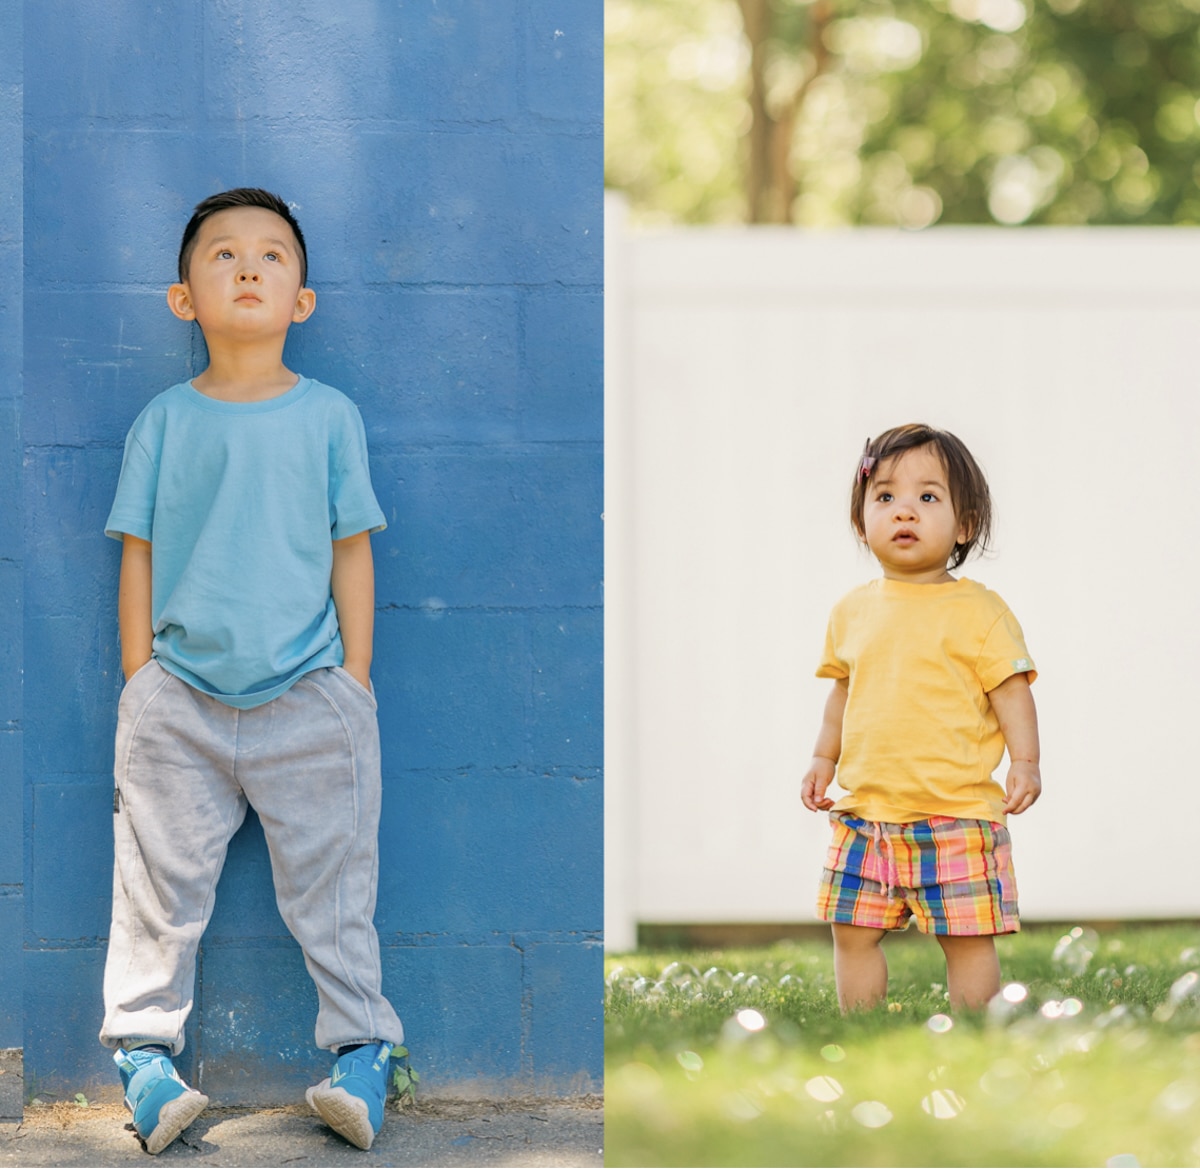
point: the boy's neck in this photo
(245, 377)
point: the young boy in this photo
(246, 613)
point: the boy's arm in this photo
(133, 605)
(353, 586)
(827, 750)
(1013, 703)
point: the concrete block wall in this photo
(11, 870)
(444, 161)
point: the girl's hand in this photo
(1023, 787)
(812, 787)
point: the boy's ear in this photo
(306, 301)
(180, 302)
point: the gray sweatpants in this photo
(186, 768)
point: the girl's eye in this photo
(928, 497)
(885, 497)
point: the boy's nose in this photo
(246, 274)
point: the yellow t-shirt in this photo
(919, 737)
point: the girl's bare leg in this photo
(860, 966)
(972, 971)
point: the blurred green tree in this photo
(910, 112)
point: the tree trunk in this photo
(770, 184)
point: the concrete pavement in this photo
(433, 1133)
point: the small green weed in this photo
(404, 1078)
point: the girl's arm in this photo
(827, 751)
(133, 605)
(353, 587)
(1013, 703)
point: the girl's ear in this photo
(180, 302)
(966, 528)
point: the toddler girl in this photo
(931, 682)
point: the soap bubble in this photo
(824, 1089)
(740, 1106)
(832, 1053)
(679, 974)
(1003, 1006)
(940, 1024)
(1067, 1115)
(942, 1104)
(748, 981)
(1179, 1096)
(872, 1114)
(1075, 950)
(1185, 991)
(690, 1061)
(621, 978)
(1005, 1080)
(717, 978)
(1122, 1161)
(1184, 988)
(638, 1079)
(744, 1024)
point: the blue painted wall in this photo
(11, 874)
(444, 161)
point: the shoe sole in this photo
(174, 1117)
(345, 1114)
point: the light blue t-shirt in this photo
(242, 502)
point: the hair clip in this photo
(868, 463)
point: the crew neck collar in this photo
(264, 406)
(909, 588)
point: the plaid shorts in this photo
(954, 876)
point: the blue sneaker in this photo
(351, 1100)
(161, 1103)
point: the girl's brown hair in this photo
(969, 493)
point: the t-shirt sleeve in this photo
(353, 507)
(1004, 653)
(832, 664)
(133, 507)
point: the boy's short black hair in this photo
(968, 486)
(239, 197)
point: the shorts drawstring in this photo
(887, 855)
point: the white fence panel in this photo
(745, 370)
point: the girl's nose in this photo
(905, 510)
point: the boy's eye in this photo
(271, 256)
(224, 254)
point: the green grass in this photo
(1099, 1064)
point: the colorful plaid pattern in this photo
(953, 876)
